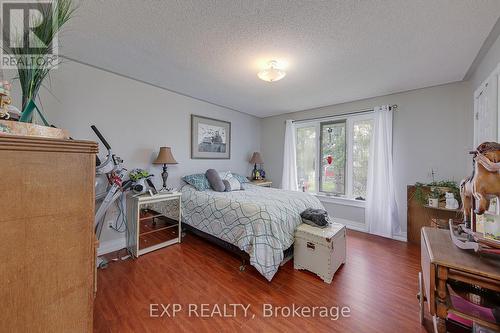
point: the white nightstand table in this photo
(153, 222)
(263, 183)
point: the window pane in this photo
(333, 153)
(362, 134)
(306, 158)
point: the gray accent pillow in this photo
(215, 181)
(227, 185)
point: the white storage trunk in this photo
(320, 250)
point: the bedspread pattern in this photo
(260, 221)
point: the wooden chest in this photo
(320, 250)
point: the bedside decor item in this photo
(141, 181)
(210, 138)
(31, 70)
(256, 159)
(165, 157)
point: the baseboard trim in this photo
(401, 237)
(353, 225)
(111, 246)
(357, 226)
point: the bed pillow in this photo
(227, 186)
(241, 179)
(198, 181)
(233, 182)
(215, 181)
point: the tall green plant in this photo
(32, 74)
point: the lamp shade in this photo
(256, 158)
(165, 156)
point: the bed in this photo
(258, 220)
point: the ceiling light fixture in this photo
(272, 72)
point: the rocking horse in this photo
(484, 183)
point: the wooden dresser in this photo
(419, 215)
(47, 240)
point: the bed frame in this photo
(242, 255)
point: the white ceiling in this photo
(337, 51)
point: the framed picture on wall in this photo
(210, 138)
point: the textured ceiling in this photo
(336, 51)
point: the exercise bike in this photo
(110, 186)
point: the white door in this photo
(486, 120)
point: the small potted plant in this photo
(434, 196)
(139, 176)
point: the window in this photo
(332, 155)
(306, 158)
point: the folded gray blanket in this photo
(315, 217)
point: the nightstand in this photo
(153, 222)
(263, 183)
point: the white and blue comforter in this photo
(260, 221)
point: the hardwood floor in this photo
(378, 283)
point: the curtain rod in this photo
(392, 107)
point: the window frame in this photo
(320, 156)
(349, 121)
(317, 129)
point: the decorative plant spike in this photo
(31, 77)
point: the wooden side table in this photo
(153, 222)
(263, 183)
(442, 262)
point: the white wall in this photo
(432, 130)
(137, 119)
(432, 127)
(486, 65)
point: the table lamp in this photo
(165, 157)
(256, 159)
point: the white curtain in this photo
(381, 212)
(289, 180)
